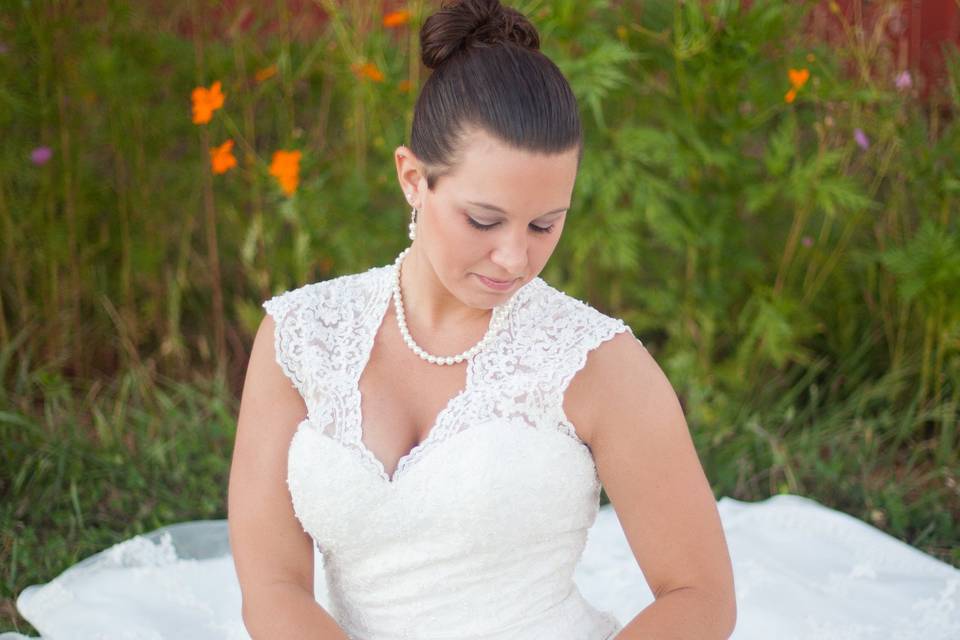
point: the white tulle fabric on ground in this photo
(802, 571)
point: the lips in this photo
(498, 285)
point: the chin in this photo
(483, 299)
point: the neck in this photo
(427, 302)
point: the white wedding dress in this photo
(489, 529)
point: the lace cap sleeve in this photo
(287, 310)
(594, 329)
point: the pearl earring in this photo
(413, 223)
(413, 218)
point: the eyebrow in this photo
(499, 210)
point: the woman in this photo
(451, 413)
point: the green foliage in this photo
(798, 289)
(927, 269)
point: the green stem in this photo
(793, 237)
(253, 180)
(213, 259)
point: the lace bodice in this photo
(479, 530)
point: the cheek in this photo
(456, 237)
(540, 252)
(543, 251)
(454, 243)
(548, 241)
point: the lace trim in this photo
(286, 334)
(603, 328)
(325, 334)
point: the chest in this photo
(402, 396)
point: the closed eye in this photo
(488, 227)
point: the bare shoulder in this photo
(608, 384)
(265, 379)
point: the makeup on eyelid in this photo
(488, 227)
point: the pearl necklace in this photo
(497, 319)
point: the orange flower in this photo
(798, 77)
(396, 18)
(404, 86)
(266, 72)
(368, 70)
(205, 102)
(221, 158)
(285, 167)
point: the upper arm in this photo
(268, 543)
(649, 468)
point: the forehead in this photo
(488, 168)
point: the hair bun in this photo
(462, 24)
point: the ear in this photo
(410, 174)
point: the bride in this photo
(447, 448)
(443, 424)
(420, 447)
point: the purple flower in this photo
(862, 140)
(904, 81)
(3, 47)
(807, 241)
(41, 155)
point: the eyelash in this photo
(488, 227)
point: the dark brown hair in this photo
(488, 72)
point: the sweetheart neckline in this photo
(391, 485)
(406, 459)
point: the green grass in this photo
(98, 465)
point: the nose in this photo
(510, 254)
